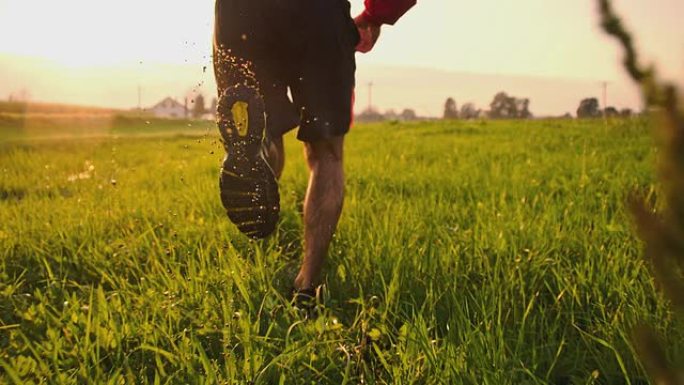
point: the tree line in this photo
(504, 106)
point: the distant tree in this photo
(589, 108)
(508, 107)
(450, 109)
(469, 111)
(369, 115)
(408, 114)
(523, 108)
(198, 109)
(611, 112)
(391, 115)
(502, 106)
(626, 112)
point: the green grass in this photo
(468, 252)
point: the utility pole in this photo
(370, 96)
(605, 104)
(139, 98)
(605, 96)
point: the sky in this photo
(98, 52)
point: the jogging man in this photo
(262, 49)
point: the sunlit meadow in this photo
(478, 252)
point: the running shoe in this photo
(249, 189)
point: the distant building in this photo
(169, 108)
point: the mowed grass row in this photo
(468, 252)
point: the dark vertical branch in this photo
(662, 233)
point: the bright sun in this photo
(84, 33)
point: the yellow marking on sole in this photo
(240, 113)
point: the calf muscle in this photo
(322, 206)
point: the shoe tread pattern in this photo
(249, 190)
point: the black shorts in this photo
(306, 46)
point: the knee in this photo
(324, 153)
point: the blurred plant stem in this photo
(662, 232)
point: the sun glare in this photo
(108, 49)
(85, 33)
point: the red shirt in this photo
(386, 11)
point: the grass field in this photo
(468, 252)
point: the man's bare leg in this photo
(322, 207)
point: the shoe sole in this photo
(249, 190)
